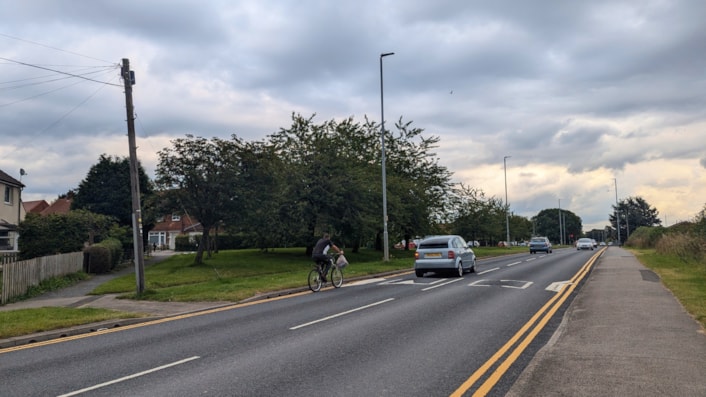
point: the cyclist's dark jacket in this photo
(320, 249)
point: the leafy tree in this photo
(633, 212)
(106, 189)
(478, 217)
(546, 223)
(202, 177)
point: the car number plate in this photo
(433, 255)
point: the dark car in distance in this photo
(538, 244)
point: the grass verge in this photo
(685, 278)
(29, 321)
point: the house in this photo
(167, 228)
(60, 206)
(34, 207)
(11, 211)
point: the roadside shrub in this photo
(687, 247)
(116, 250)
(645, 237)
(185, 243)
(97, 259)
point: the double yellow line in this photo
(545, 313)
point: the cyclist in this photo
(320, 253)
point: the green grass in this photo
(29, 321)
(227, 276)
(685, 278)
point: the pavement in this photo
(624, 334)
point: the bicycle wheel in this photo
(315, 280)
(336, 276)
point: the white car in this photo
(584, 244)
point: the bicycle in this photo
(317, 275)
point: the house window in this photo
(176, 218)
(6, 241)
(8, 195)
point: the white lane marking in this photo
(513, 264)
(363, 282)
(441, 285)
(489, 270)
(557, 286)
(479, 283)
(399, 281)
(149, 371)
(523, 286)
(531, 259)
(341, 314)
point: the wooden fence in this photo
(17, 277)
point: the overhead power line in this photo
(61, 72)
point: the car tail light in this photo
(452, 254)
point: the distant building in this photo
(59, 206)
(34, 207)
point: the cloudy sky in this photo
(583, 96)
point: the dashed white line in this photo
(513, 264)
(489, 270)
(441, 285)
(149, 371)
(341, 314)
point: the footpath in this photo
(624, 334)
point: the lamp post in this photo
(507, 205)
(617, 212)
(561, 235)
(386, 246)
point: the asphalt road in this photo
(401, 336)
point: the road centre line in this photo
(530, 259)
(341, 314)
(149, 371)
(513, 263)
(488, 271)
(441, 285)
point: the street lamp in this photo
(617, 211)
(507, 205)
(561, 235)
(386, 246)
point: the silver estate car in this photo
(444, 254)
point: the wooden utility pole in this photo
(129, 80)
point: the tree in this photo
(633, 212)
(106, 189)
(201, 176)
(546, 223)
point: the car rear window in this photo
(432, 245)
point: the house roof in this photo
(60, 206)
(36, 206)
(186, 223)
(8, 180)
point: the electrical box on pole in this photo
(129, 80)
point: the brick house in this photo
(167, 228)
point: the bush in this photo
(184, 242)
(645, 237)
(97, 259)
(685, 246)
(116, 250)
